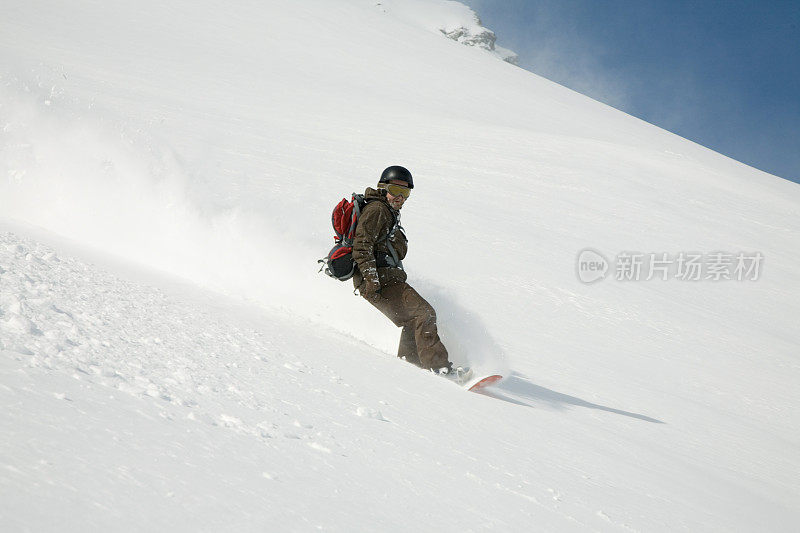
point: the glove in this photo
(372, 284)
(372, 292)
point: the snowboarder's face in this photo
(396, 201)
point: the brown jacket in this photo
(374, 224)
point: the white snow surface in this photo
(170, 359)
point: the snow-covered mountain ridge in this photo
(453, 19)
(210, 142)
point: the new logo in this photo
(591, 266)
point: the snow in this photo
(172, 360)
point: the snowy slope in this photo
(209, 142)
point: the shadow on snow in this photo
(519, 390)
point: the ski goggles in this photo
(398, 190)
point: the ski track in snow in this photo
(62, 315)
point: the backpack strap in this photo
(357, 200)
(395, 258)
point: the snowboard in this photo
(478, 383)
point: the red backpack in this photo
(339, 262)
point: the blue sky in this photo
(723, 73)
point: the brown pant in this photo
(419, 341)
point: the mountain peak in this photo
(483, 38)
(452, 19)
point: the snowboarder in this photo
(379, 247)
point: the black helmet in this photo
(397, 173)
